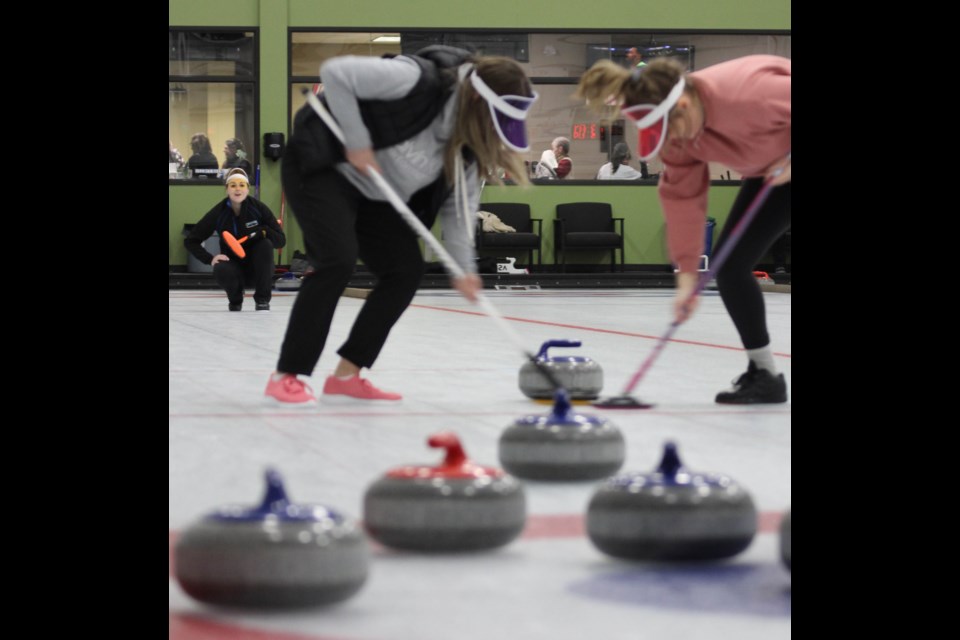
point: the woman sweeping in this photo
(736, 113)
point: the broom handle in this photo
(455, 270)
(735, 234)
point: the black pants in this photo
(256, 270)
(780, 249)
(738, 287)
(340, 225)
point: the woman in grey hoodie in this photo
(433, 125)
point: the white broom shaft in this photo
(419, 227)
(442, 253)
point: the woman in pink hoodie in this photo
(736, 113)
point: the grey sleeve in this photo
(347, 79)
(457, 232)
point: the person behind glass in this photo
(236, 156)
(175, 157)
(619, 166)
(476, 108)
(555, 162)
(736, 113)
(244, 217)
(635, 58)
(202, 157)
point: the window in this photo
(213, 104)
(554, 62)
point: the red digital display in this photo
(584, 131)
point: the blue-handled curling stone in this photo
(785, 540)
(671, 514)
(579, 375)
(275, 555)
(562, 445)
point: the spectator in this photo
(619, 166)
(236, 156)
(555, 162)
(202, 157)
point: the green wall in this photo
(638, 204)
(570, 15)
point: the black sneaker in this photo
(756, 386)
(263, 306)
(235, 307)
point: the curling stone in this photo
(763, 277)
(455, 506)
(785, 540)
(562, 445)
(277, 555)
(287, 282)
(671, 514)
(580, 376)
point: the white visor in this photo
(508, 113)
(651, 121)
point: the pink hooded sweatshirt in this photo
(746, 104)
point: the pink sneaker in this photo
(289, 391)
(356, 387)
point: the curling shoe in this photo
(756, 386)
(355, 387)
(289, 391)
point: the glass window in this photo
(554, 62)
(213, 105)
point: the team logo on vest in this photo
(251, 223)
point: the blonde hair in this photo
(474, 128)
(628, 87)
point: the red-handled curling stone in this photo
(580, 376)
(671, 514)
(785, 540)
(562, 445)
(454, 506)
(275, 555)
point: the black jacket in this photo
(255, 217)
(203, 161)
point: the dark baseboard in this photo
(542, 276)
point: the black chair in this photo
(517, 215)
(587, 226)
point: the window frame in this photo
(615, 35)
(252, 146)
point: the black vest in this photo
(389, 121)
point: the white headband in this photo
(237, 176)
(661, 109)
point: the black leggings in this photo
(738, 287)
(255, 269)
(340, 225)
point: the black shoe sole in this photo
(748, 401)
